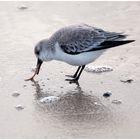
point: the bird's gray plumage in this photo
(76, 45)
(77, 39)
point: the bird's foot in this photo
(74, 80)
(71, 76)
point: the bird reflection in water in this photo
(73, 103)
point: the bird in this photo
(77, 45)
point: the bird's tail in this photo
(110, 44)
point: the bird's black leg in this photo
(75, 75)
(78, 76)
(74, 80)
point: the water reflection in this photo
(75, 105)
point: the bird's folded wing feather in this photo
(78, 39)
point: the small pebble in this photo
(49, 99)
(107, 94)
(23, 7)
(116, 102)
(127, 81)
(15, 94)
(19, 107)
(24, 85)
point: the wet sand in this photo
(82, 111)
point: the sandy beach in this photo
(81, 111)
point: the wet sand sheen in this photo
(82, 111)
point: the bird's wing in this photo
(83, 38)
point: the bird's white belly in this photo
(83, 58)
(80, 59)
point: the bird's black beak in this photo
(39, 63)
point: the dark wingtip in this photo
(110, 44)
(129, 41)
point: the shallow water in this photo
(82, 111)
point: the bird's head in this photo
(38, 52)
(43, 53)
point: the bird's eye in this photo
(37, 52)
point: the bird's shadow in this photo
(73, 103)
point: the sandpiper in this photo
(77, 45)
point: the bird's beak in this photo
(39, 63)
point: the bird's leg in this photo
(78, 76)
(74, 80)
(75, 75)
